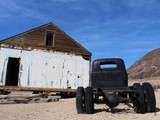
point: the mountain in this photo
(147, 67)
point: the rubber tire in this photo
(89, 101)
(80, 104)
(139, 102)
(150, 99)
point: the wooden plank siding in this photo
(35, 39)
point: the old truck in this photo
(109, 85)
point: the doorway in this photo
(12, 72)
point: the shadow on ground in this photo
(118, 110)
(115, 110)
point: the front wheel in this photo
(89, 101)
(150, 99)
(80, 104)
(139, 102)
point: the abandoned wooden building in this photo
(44, 57)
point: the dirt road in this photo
(65, 110)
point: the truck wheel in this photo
(80, 104)
(139, 102)
(150, 100)
(89, 102)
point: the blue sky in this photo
(108, 28)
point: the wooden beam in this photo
(13, 88)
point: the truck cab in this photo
(109, 73)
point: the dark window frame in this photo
(50, 44)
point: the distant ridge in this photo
(147, 67)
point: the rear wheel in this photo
(80, 104)
(138, 101)
(89, 101)
(150, 100)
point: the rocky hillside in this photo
(146, 67)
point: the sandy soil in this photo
(65, 110)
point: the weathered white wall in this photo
(46, 69)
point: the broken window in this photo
(49, 39)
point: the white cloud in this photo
(10, 8)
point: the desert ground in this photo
(65, 110)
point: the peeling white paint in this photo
(46, 69)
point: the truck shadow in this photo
(118, 110)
